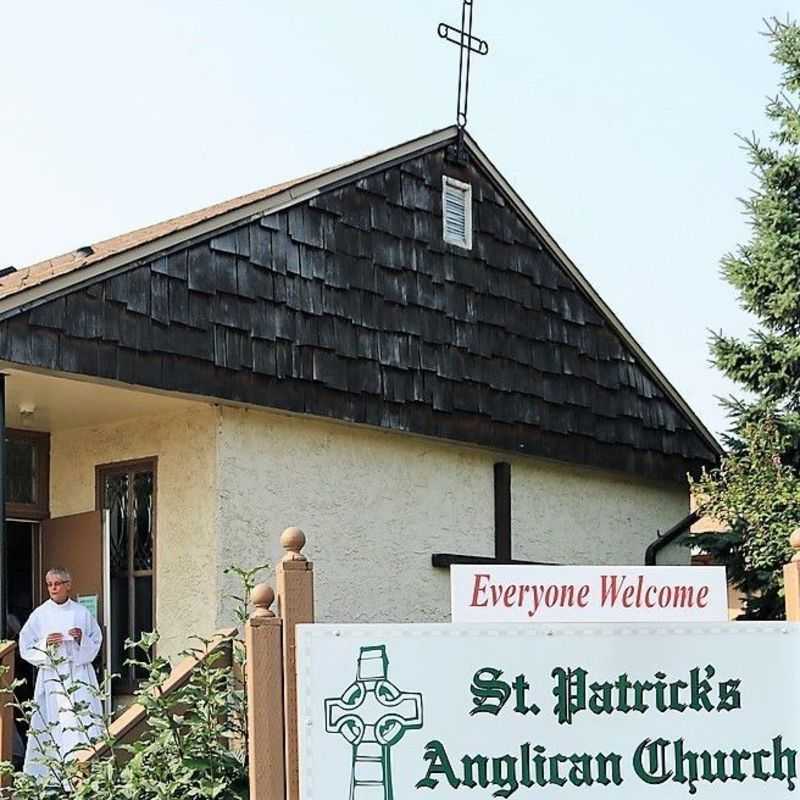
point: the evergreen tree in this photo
(756, 491)
(766, 270)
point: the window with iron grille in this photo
(127, 491)
(457, 212)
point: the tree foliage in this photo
(766, 270)
(755, 495)
(755, 492)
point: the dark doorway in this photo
(21, 559)
(22, 554)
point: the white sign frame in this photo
(749, 667)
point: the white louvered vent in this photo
(457, 212)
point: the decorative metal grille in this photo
(116, 501)
(128, 495)
(143, 521)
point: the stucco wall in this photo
(575, 516)
(185, 445)
(376, 505)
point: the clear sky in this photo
(616, 121)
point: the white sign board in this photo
(522, 593)
(461, 712)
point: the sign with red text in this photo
(523, 593)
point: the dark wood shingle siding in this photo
(351, 306)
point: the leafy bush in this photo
(757, 497)
(194, 745)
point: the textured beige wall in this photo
(579, 516)
(376, 505)
(185, 444)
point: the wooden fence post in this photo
(295, 581)
(265, 722)
(7, 652)
(791, 580)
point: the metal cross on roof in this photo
(468, 44)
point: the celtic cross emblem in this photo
(372, 714)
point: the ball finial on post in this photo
(261, 598)
(794, 541)
(292, 541)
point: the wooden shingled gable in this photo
(349, 305)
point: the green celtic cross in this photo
(372, 714)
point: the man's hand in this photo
(54, 639)
(76, 634)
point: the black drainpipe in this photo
(664, 539)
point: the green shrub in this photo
(194, 745)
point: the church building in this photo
(393, 354)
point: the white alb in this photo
(63, 722)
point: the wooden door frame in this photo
(118, 468)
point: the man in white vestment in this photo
(61, 638)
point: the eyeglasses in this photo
(55, 584)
